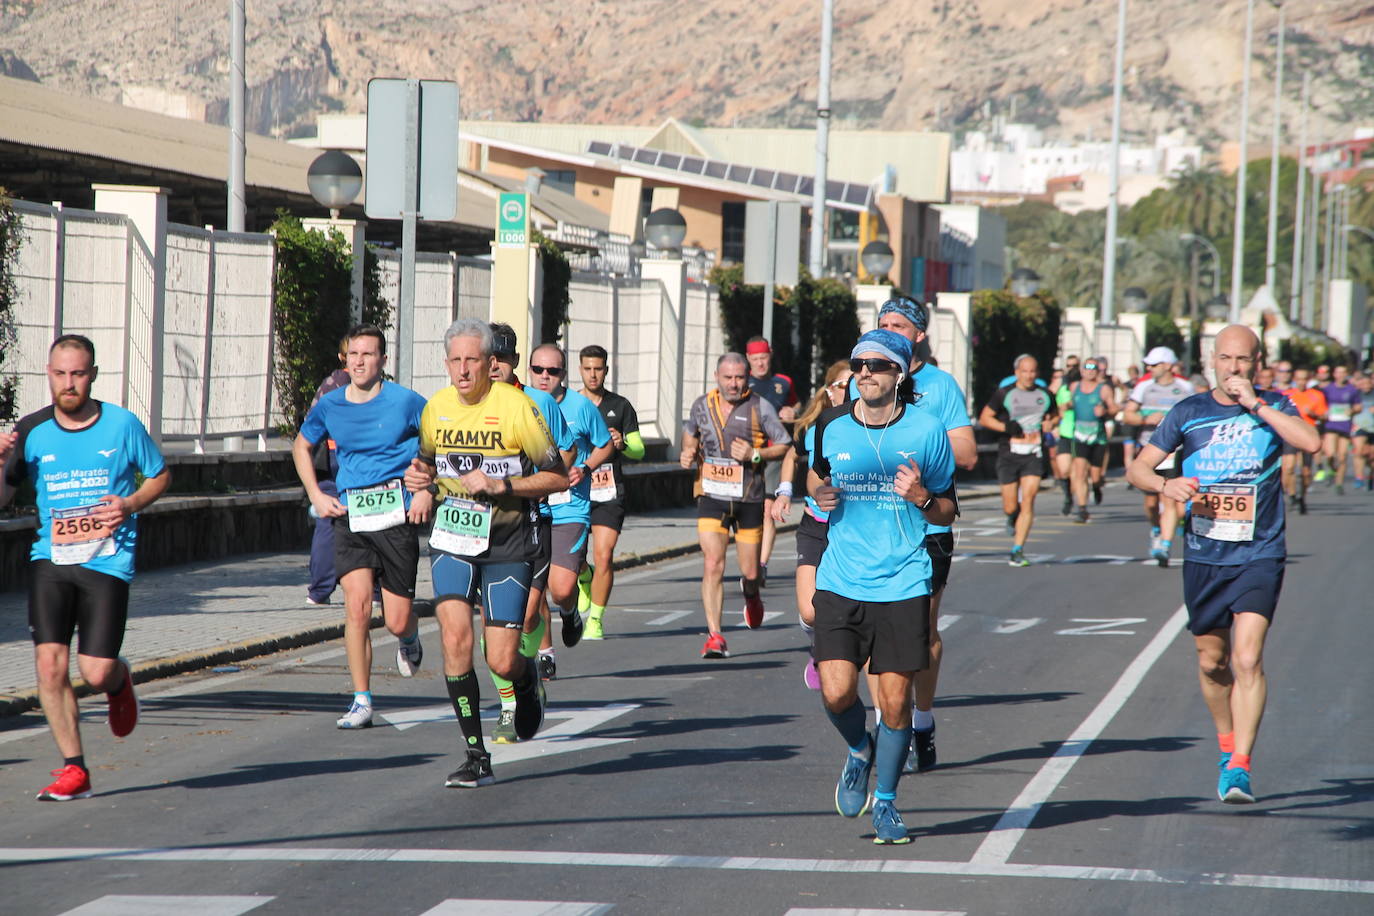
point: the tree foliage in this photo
(1004, 327)
(313, 299)
(11, 238)
(556, 300)
(826, 310)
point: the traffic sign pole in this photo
(405, 310)
(772, 248)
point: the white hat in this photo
(1160, 355)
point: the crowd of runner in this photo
(519, 490)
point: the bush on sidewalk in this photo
(11, 238)
(312, 298)
(1004, 327)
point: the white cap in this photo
(1160, 355)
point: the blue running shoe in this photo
(1223, 761)
(888, 827)
(851, 792)
(1234, 787)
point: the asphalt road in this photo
(1077, 764)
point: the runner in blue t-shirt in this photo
(572, 509)
(935, 391)
(375, 426)
(883, 470)
(1230, 442)
(82, 457)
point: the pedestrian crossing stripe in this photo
(167, 905)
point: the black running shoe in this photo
(475, 771)
(923, 749)
(572, 627)
(1097, 494)
(1068, 506)
(548, 668)
(529, 711)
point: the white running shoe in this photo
(359, 715)
(408, 657)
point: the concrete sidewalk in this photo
(190, 617)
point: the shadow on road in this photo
(1097, 748)
(1004, 699)
(258, 774)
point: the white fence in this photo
(167, 332)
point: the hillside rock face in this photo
(898, 64)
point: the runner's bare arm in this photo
(1132, 416)
(908, 485)
(115, 510)
(325, 506)
(689, 450)
(965, 447)
(1141, 474)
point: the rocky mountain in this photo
(900, 64)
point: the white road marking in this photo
(662, 620)
(1100, 626)
(849, 911)
(563, 738)
(474, 907)
(949, 620)
(1016, 624)
(149, 905)
(582, 859)
(1001, 841)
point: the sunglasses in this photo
(837, 385)
(1091, 366)
(874, 365)
(546, 370)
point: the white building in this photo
(973, 240)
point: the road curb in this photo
(157, 669)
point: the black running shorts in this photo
(1011, 468)
(392, 555)
(940, 549)
(887, 635)
(609, 514)
(544, 554)
(812, 536)
(73, 599)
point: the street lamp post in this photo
(1238, 236)
(877, 259)
(334, 180)
(1193, 238)
(1114, 174)
(1271, 248)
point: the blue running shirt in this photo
(558, 429)
(876, 549)
(588, 431)
(71, 468)
(376, 439)
(1238, 517)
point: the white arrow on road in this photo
(562, 738)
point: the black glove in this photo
(1014, 429)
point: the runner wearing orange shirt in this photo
(1311, 404)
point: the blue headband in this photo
(889, 343)
(909, 309)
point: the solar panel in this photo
(693, 164)
(764, 177)
(669, 161)
(739, 173)
(599, 148)
(715, 169)
(646, 156)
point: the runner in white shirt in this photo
(1149, 401)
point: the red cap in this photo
(758, 346)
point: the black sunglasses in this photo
(546, 370)
(875, 365)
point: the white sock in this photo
(923, 720)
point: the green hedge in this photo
(556, 300)
(1004, 327)
(313, 298)
(1309, 354)
(827, 311)
(11, 238)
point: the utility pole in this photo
(1114, 175)
(1238, 235)
(1271, 248)
(818, 215)
(237, 203)
(1300, 217)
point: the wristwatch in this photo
(930, 501)
(756, 457)
(509, 489)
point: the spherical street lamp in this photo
(1024, 282)
(876, 258)
(334, 179)
(1134, 299)
(1218, 308)
(665, 229)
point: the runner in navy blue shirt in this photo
(1230, 441)
(82, 457)
(884, 471)
(375, 426)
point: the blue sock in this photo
(410, 640)
(850, 725)
(363, 696)
(891, 754)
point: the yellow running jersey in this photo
(505, 436)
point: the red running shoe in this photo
(123, 705)
(753, 612)
(72, 782)
(715, 647)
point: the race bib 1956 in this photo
(1225, 512)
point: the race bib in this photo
(722, 478)
(1225, 512)
(1024, 448)
(1030, 425)
(561, 498)
(603, 484)
(1339, 413)
(376, 508)
(1088, 433)
(77, 537)
(462, 528)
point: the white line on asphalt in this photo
(848, 911)
(161, 905)
(522, 857)
(457, 907)
(998, 845)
